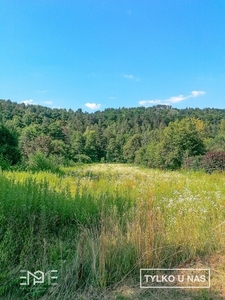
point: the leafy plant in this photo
(9, 151)
(41, 162)
(213, 161)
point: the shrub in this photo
(82, 158)
(41, 162)
(9, 151)
(213, 161)
(193, 163)
(4, 164)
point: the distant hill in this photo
(112, 135)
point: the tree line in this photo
(158, 137)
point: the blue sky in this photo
(96, 54)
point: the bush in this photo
(41, 162)
(211, 161)
(4, 164)
(82, 158)
(9, 150)
(193, 163)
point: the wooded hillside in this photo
(160, 136)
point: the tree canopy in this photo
(9, 151)
(159, 136)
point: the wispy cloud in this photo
(93, 106)
(112, 98)
(131, 77)
(28, 102)
(47, 102)
(171, 100)
(42, 91)
(196, 94)
(32, 102)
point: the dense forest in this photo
(162, 137)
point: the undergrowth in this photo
(98, 225)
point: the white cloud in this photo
(31, 102)
(130, 76)
(176, 99)
(112, 98)
(48, 102)
(197, 93)
(28, 102)
(171, 100)
(93, 106)
(149, 102)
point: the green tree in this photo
(77, 144)
(27, 136)
(114, 151)
(130, 148)
(9, 151)
(91, 147)
(218, 143)
(32, 141)
(149, 155)
(58, 147)
(182, 139)
(222, 126)
(56, 131)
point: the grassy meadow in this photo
(99, 224)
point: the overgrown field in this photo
(99, 224)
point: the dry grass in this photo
(119, 219)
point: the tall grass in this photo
(98, 225)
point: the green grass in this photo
(99, 224)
